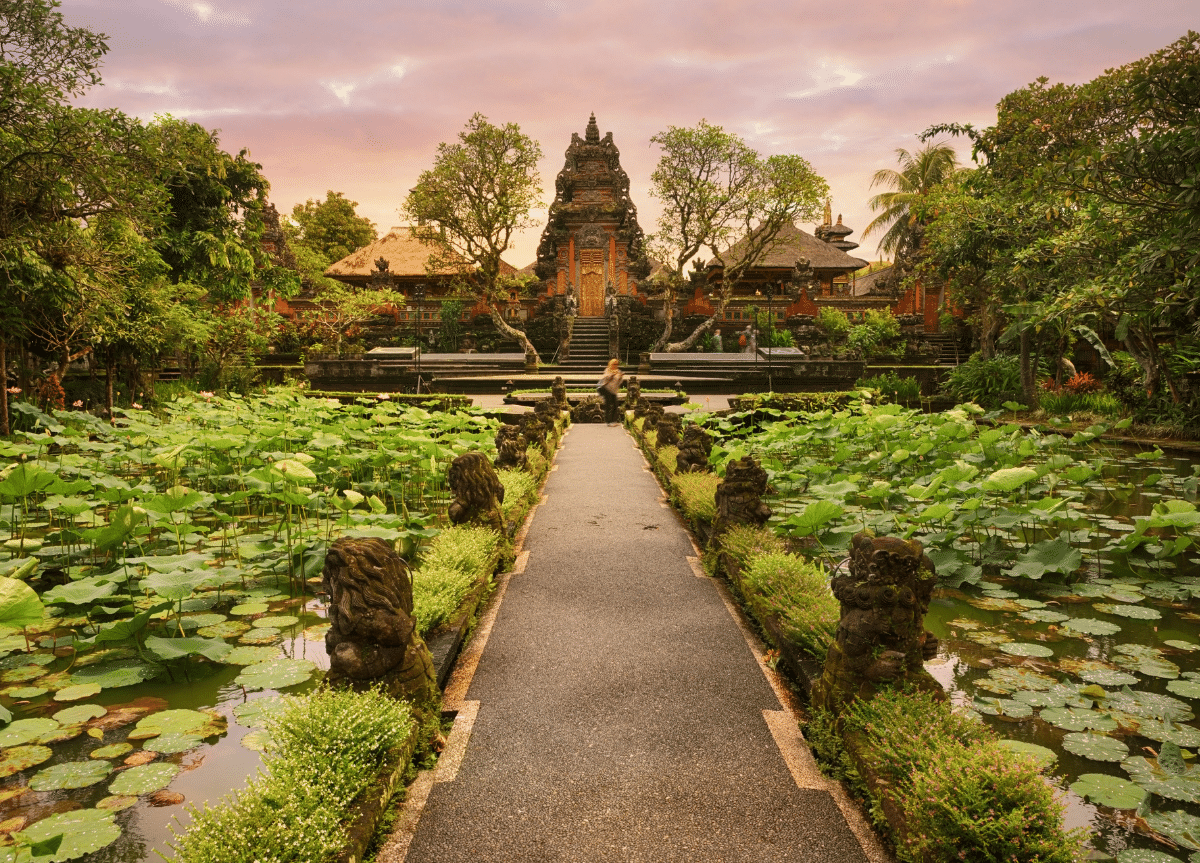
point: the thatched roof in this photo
(793, 243)
(406, 256)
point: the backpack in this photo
(742, 340)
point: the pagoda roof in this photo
(406, 256)
(793, 243)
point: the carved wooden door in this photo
(591, 283)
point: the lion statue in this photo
(510, 448)
(478, 492)
(372, 635)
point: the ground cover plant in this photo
(155, 573)
(1068, 571)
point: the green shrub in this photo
(964, 796)
(743, 541)
(833, 323)
(1061, 404)
(797, 592)
(665, 456)
(696, 495)
(518, 486)
(456, 561)
(988, 383)
(893, 386)
(878, 333)
(326, 748)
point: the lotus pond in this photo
(1067, 613)
(156, 596)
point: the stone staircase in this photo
(951, 350)
(589, 346)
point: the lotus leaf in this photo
(1151, 775)
(1107, 677)
(1097, 747)
(1009, 479)
(70, 774)
(295, 470)
(117, 674)
(1041, 699)
(988, 638)
(1092, 626)
(79, 713)
(1170, 732)
(228, 629)
(144, 779)
(1137, 612)
(22, 673)
(1149, 666)
(168, 744)
(994, 603)
(1108, 791)
(25, 730)
(963, 623)
(1078, 719)
(1143, 855)
(1000, 593)
(316, 632)
(1182, 645)
(276, 674)
(249, 608)
(82, 592)
(1021, 678)
(26, 659)
(250, 655)
(178, 721)
(198, 621)
(65, 732)
(1042, 756)
(1180, 827)
(19, 604)
(279, 621)
(263, 635)
(83, 831)
(256, 713)
(77, 692)
(1149, 705)
(112, 750)
(199, 603)
(1052, 555)
(1044, 615)
(1019, 648)
(180, 648)
(20, 758)
(257, 740)
(1186, 688)
(24, 692)
(116, 802)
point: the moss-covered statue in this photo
(372, 637)
(668, 428)
(739, 496)
(633, 392)
(881, 637)
(694, 449)
(558, 393)
(510, 448)
(478, 492)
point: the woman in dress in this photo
(608, 387)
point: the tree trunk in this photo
(668, 320)
(22, 370)
(704, 327)
(1028, 389)
(4, 428)
(1149, 369)
(513, 333)
(110, 371)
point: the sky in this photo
(354, 96)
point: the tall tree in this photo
(721, 195)
(471, 203)
(332, 227)
(919, 174)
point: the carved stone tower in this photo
(592, 238)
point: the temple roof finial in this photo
(592, 136)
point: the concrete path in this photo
(618, 711)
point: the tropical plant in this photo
(901, 221)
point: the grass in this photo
(327, 747)
(964, 796)
(518, 486)
(796, 592)
(743, 541)
(456, 561)
(665, 456)
(696, 494)
(1102, 405)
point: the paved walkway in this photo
(617, 711)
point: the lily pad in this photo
(264, 635)
(197, 621)
(178, 648)
(1040, 699)
(250, 655)
(1144, 855)
(1097, 747)
(1149, 705)
(22, 673)
(1180, 827)
(112, 750)
(168, 744)
(1078, 719)
(1170, 732)
(117, 674)
(228, 629)
(1108, 677)
(20, 758)
(1092, 626)
(249, 608)
(276, 674)
(1136, 612)
(257, 740)
(1186, 688)
(144, 779)
(79, 713)
(1151, 666)
(276, 621)
(178, 721)
(83, 831)
(70, 774)
(1109, 791)
(25, 692)
(116, 802)
(25, 730)
(60, 734)
(1045, 615)
(77, 692)
(1040, 754)
(1182, 645)
(1024, 648)
(316, 632)
(1180, 783)
(255, 713)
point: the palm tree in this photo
(919, 173)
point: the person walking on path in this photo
(608, 387)
(716, 342)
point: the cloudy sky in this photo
(355, 95)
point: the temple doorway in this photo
(591, 283)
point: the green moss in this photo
(696, 495)
(796, 592)
(327, 748)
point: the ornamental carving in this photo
(739, 496)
